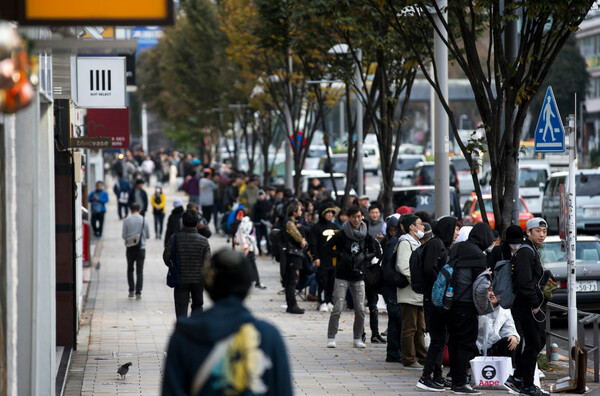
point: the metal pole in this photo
(442, 165)
(359, 126)
(144, 128)
(571, 242)
(289, 166)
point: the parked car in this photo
(587, 200)
(313, 156)
(422, 198)
(533, 175)
(405, 169)
(339, 164)
(587, 259)
(371, 160)
(463, 173)
(425, 175)
(472, 213)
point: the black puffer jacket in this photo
(319, 234)
(435, 253)
(527, 273)
(193, 250)
(173, 223)
(471, 261)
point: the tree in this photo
(503, 79)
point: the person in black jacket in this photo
(320, 233)
(260, 218)
(527, 275)
(295, 242)
(508, 247)
(435, 255)
(354, 249)
(462, 321)
(192, 251)
(174, 220)
(139, 195)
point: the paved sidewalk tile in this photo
(116, 329)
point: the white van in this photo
(587, 201)
(371, 158)
(533, 175)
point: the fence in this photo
(583, 318)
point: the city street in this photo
(116, 329)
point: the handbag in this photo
(374, 277)
(173, 273)
(294, 251)
(135, 241)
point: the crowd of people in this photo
(348, 259)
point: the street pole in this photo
(571, 241)
(290, 130)
(144, 129)
(442, 162)
(359, 125)
(511, 48)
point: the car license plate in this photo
(587, 286)
(592, 212)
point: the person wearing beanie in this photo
(192, 251)
(403, 210)
(428, 233)
(226, 340)
(508, 246)
(319, 234)
(529, 301)
(174, 220)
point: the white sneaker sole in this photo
(425, 387)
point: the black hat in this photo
(514, 234)
(227, 274)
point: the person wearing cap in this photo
(435, 256)
(319, 234)
(507, 247)
(363, 203)
(174, 219)
(529, 301)
(139, 196)
(225, 349)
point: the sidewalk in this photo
(116, 329)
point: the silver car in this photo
(587, 257)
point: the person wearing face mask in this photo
(508, 247)
(158, 210)
(412, 340)
(470, 261)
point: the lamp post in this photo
(339, 49)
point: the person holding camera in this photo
(354, 249)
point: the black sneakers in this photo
(533, 391)
(513, 384)
(428, 385)
(377, 339)
(295, 310)
(464, 390)
(392, 359)
(443, 382)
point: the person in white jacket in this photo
(412, 340)
(245, 238)
(497, 331)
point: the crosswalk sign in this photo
(549, 132)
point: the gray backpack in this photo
(503, 280)
(480, 293)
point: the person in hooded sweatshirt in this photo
(209, 351)
(354, 249)
(508, 247)
(376, 227)
(470, 261)
(435, 255)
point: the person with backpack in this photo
(353, 249)
(435, 255)
(507, 247)
(322, 232)
(528, 307)
(468, 260)
(122, 189)
(411, 303)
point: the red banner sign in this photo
(113, 123)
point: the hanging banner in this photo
(109, 123)
(101, 82)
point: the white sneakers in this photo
(331, 343)
(329, 307)
(323, 308)
(359, 344)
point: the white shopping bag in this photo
(491, 371)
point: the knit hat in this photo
(514, 234)
(428, 231)
(403, 210)
(407, 220)
(536, 222)
(177, 203)
(393, 220)
(260, 192)
(227, 274)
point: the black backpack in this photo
(276, 239)
(417, 276)
(391, 277)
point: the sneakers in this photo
(443, 382)
(295, 310)
(359, 344)
(331, 343)
(329, 307)
(384, 333)
(465, 390)
(414, 366)
(323, 308)
(138, 297)
(260, 286)
(131, 294)
(428, 385)
(377, 339)
(513, 384)
(533, 391)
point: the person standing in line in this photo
(207, 195)
(376, 227)
(353, 249)
(294, 254)
(158, 210)
(411, 303)
(435, 255)
(244, 237)
(528, 308)
(260, 217)
(507, 247)
(122, 189)
(98, 200)
(137, 227)
(192, 251)
(140, 197)
(238, 353)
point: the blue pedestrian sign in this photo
(549, 132)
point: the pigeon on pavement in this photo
(124, 369)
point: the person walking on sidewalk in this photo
(139, 196)
(122, 189)
(225, 349)
(192, 250)
(174, 220)
(354, 249)
(135, 228)
(207, 195)
(98, 200)
(158, 210)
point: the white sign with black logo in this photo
(100, 82)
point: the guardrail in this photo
(586, 318)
